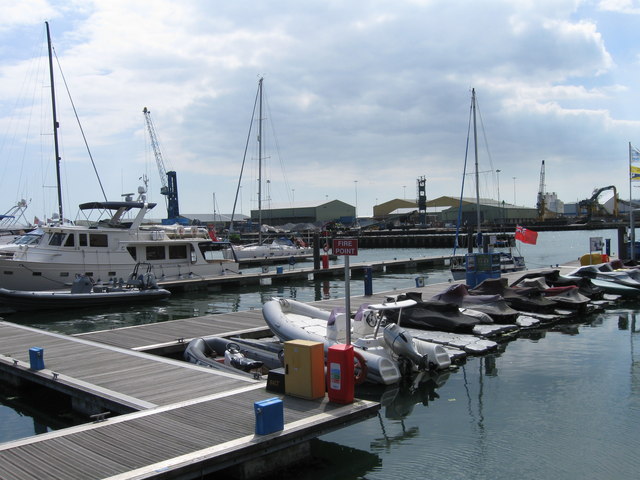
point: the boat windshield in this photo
(30, 238)
(213, 250)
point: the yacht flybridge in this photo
(109, 247)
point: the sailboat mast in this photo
(260, 162)
(475, 145)
(55, 123)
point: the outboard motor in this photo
(401, 343)
(233, 358)
(82, 284)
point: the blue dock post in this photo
(36, 358)
(368, 280)
(269, 416)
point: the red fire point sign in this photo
(345, 246)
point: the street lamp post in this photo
(514, 190)
(498, 175)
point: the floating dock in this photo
(170, 419)
(177, 420)
(287, 274)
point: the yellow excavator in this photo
(592, 208)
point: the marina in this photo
(318, 299)
(170, 337)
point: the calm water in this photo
(559, 403)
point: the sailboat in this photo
(275, 247)
(502, 262)
(108, 246)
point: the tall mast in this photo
(475, 145)
(55, 123)
(260, 162)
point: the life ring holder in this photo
(360, 368)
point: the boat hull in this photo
(21, 300)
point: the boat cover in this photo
(567, 296)
(493, 305)
(554, 279)
(432, 315)
(528, 299)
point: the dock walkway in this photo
(187, 420)
(289, 273)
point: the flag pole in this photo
(632, 233)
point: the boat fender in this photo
(360, 368)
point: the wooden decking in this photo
(187, 421)
(177, 441)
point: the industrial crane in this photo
(169, 179)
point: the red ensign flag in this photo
(525, 235)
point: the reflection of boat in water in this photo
(383, 353)
(84, 293)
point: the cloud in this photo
(367, 91)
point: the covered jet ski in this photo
(527, 299)
(565, 297)
(493, 305)
(553, 278)
(434, 315)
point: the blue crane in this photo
(169, 179)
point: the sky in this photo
(361, 99)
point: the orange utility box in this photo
(304, 369)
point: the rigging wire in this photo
(464, 173)
(84, 138)
(244, 159)
(277, 149)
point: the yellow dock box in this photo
(304, 369)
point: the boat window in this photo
(132, 252)
(98, 240)
(8, 272)
(212, 251)
(177, 251)
(28, 239)
(70, 240)
(56, 239)
(64, 274)
(82, 240)
(156, 253)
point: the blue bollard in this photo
(269, 416)
(368, 281)
(36, 358)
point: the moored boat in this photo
(384, 353)
(108, 246)
(84, 293)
